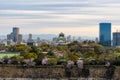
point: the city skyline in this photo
(52, 16)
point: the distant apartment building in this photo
(14, 37)
(3, 42)
(116, 39)
(105, 34)
(69, 38)
(30, 41)
(96, 40)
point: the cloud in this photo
(66, 15)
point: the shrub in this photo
(52, 61)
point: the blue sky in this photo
(76, 17)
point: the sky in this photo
(74, 17)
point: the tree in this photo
(61, 48)
(19, 48)
(52, 61)
(30, 56)
(99, 49)
(73, 57)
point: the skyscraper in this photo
(14, 36)
(105, 34)
(116, 39)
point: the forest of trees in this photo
(91, 53)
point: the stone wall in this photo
(51, 72)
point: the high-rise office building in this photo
(19, 41)
(116, 39)
(30, 41)
(14, 36)
(105, 34)
(30, 37)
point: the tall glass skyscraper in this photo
(16, 34)
(116, 39)
(105, 34)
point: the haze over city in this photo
(76, 17)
